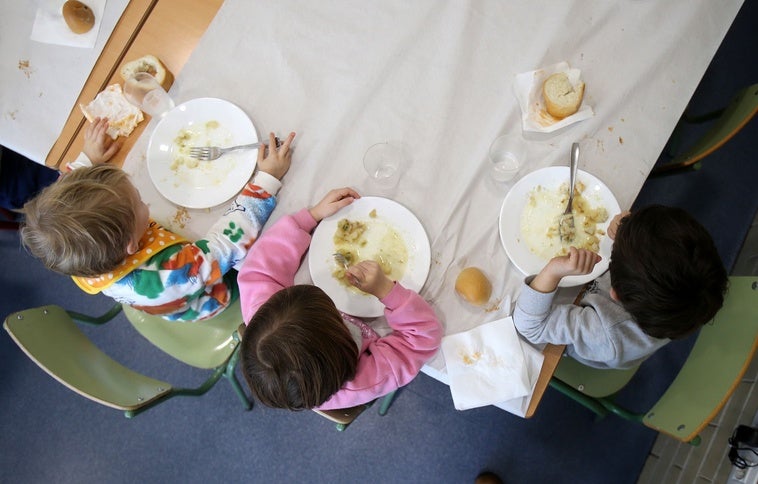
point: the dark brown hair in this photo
(667, 272)
(296, 350)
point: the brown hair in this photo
(82, 224)
(296, 350)
(667, 272)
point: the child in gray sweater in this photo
(665, 280)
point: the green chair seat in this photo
(202, 344)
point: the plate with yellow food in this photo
(370, 228)
(530, 213)
(192, 183)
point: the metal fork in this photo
(340, 259)
(566, 229)
(207, 153)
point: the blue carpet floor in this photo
(51, 435)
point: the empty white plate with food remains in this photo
(370, 228)
(529, 220)
(534, 113)
(192, 183)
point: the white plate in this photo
(210, 182)
(595, 192)
(321, 263)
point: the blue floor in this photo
(51, 435)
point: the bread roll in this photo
(562, 98)
(78, 16)
(150, 64)
(473, 286)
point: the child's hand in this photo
(577, 262)
(98, 146)
(368, 276)
(614, 225)
(333, 202)
(276, 160)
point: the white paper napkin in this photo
(486, 365)
(528, 89)
(50, 27)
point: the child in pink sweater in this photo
(298, 351)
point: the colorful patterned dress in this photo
(179, 280)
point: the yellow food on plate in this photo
(370, 239)
(473, 286)
(78, 16)
(542, 212)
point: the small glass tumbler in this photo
(506, 155)
(145, 92)
(383, 163)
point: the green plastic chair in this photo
(50, 336)
(722, 352)
(729, 121)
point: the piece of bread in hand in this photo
(150, 64)
(111, 103)
(562, 98)
(473, 286)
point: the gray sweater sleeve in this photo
(599, 332)
(580, 327)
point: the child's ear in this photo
(614, 296)
(132, 247)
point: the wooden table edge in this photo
(126, 30)
(553, 354)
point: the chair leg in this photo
(620, 411)
(96, 320)
(591, 403)
(384, 406)
(231, 375)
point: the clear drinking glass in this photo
(145, 92)
(384, 162)
(506, 155)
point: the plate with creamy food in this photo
(529, 220)
(370, 228)
(192, 183)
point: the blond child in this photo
(93, 225)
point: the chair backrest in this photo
(723, 350)
(742, 108)
(202, 344)
(342, 416)
(50, 337)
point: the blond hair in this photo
(81, 225)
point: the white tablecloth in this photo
(39, 82)
(438, 76)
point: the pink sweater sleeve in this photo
(394, 360)
(273, 261)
